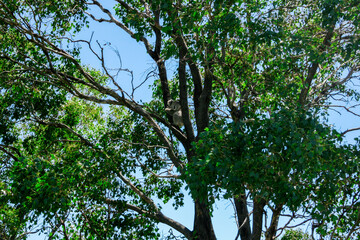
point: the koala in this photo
(174, 109)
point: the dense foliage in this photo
(84, 157)
(295, 235)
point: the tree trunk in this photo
(259, 205)
(271, 232)
(243, 217)
(203, 228)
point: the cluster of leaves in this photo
(295, 235)
(289, 158)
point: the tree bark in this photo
(271, 232)
(203, 228)
(243, 217)
(184, 97)
(259, 205)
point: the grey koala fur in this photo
(174, 109)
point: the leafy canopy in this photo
(84, 157)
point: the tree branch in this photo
(314, 67)
(242, 217)
(158, 215)
(259, 205)
(271, 231)
(350, 130)
(184, 97)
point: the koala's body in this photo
(174, 109)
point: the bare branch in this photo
(350, 130)
(346, 108)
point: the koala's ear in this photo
(169, 102)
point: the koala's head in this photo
(170, 102)
(174, 105)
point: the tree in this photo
(255, 81)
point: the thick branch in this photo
(314, 67)
(184, 97)
(259, 205)
(158, 215)
(204, 101)
(242, 217)
(194, 70)
(155, 55)
(271, 231)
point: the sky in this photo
(133, 57)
